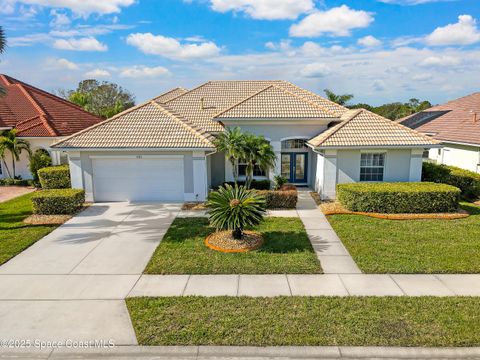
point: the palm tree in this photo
(232, 143)
(257, 152)
(339, 99)
(3, 45)
(9, 141)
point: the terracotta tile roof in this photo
(452, 121)
(37, 113)
(169, 95)
(276, 102)
(149, 125)
(363, 128)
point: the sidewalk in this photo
(248, 352)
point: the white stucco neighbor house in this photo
(162, 149)
(39, 117)
(457, 125)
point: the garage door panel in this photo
(132, 179)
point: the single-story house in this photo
(163, 150)
(39, 117)
(457, 125)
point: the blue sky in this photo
(379, 50)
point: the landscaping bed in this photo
(412, 246)
(15, 235)
(286, 249)
(321, 321)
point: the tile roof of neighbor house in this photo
(37, 113)
(362, 128)
(452, 121)
(189, 120)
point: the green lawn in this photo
(355, 321)
(287, 249)
(412, 246)
(15, 236)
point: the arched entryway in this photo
(294, 160)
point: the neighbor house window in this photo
(257, 170)
(372, 167)
(293, 144)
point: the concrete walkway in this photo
(247, 352)
(72, 283)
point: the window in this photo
(371, 167)
(257, 171)
(293, 144)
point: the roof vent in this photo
(202, 103)
(474, 116)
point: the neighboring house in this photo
(163, 150)
(457, 125)
(41, 118)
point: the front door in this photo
(294, 167)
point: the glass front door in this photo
(294, 167)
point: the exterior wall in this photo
(217, 169)
(276, 133)
(195, 170)
(22, 166)
(462, 156)
(343, 166)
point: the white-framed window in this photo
(372, 166)
(293, 144)
(257, 170)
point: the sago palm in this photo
(9, 141)
(235, 208)
(3, 45)
(232, 143)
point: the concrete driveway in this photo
(71, 284)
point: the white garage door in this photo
(146, 178)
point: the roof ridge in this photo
(242, 101)
(188, 91)
(334, 129)
(177, 119)
(102, 122)
(314, 94)
(169, 92)
(39, 108)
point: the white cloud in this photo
(369, 41)
(66, 64)
(60, 20)
(422, 77)
(80, 44)
(97, 73)
(412, 2)
(444, 60)
(337, 21)
(7, 7)
(464, 32)
(379, 85)
(84, 7)
(144, 72)
(265, 9)
(172, 48)
(315, 70)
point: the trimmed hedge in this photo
(467, 181)
(58, 201)
(15, 182)
(256, 184)
(55, 177)
(398, 198)
(279, 199)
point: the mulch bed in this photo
(194, 206)
(335, 208)
(47, 219)
(223, 241)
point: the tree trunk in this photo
(234, 170)
(237, 234)
(13, 165)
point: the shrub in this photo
(256, 184)
(39, 160)
(467, 181)
(15, 182)
(280, 199)
(288, 187)
(55, 177)
(234, 208)
(279, 181)
(58, 201)
(397, 198)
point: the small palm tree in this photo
(232, 143)
(9, 141)
(235, 208)
(3, 45)
(339, 99)
(258, 152)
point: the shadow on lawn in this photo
(186, 229)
